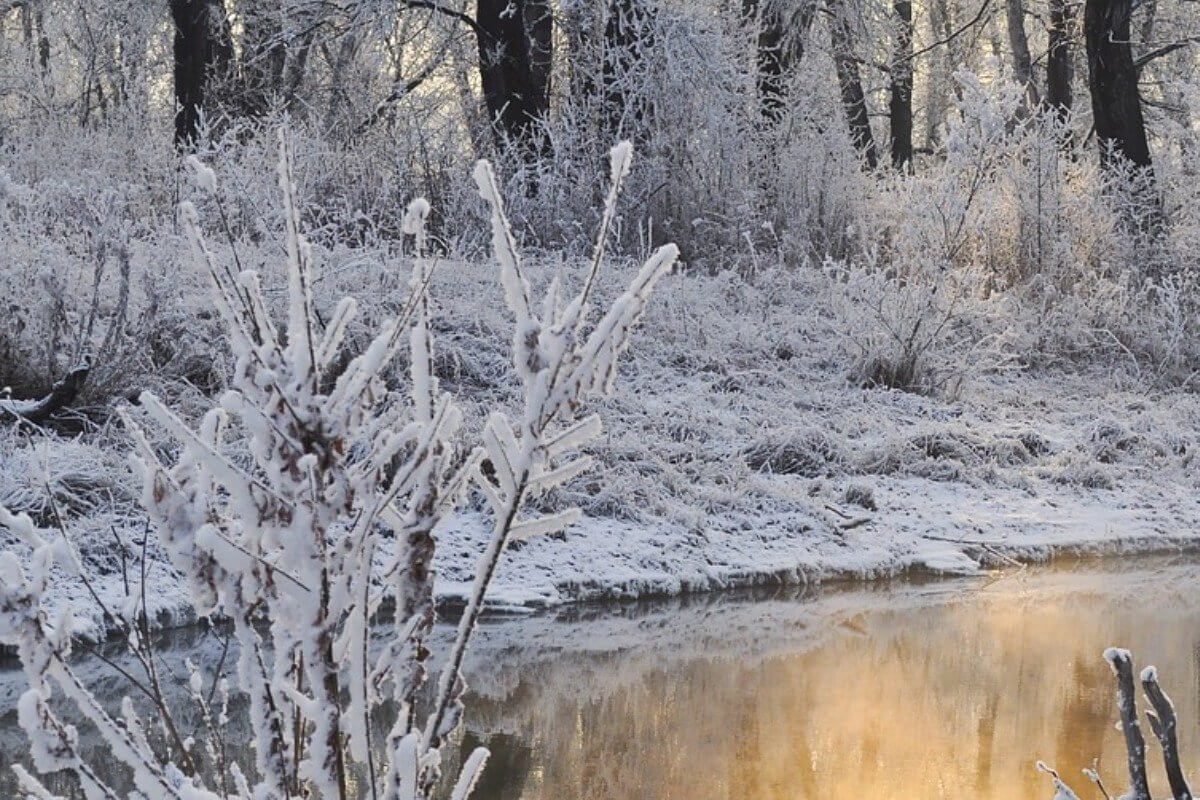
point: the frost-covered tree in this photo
(306, 546)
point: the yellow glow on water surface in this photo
(953, 699)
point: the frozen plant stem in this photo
(1135, 745)
(1163, 723)
(330, 518)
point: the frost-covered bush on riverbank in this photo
(950, 337)
(325, 528)
(1001, 250)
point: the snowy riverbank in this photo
(739, 454)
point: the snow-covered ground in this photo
(736, 452)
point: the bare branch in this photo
(1122, 666)
(1166, 49)
(61, 395)
(1163, 723)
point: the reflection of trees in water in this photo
(946, 701)
(944, 697)
(509, 766)
(1088, 712)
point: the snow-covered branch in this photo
(330, 523)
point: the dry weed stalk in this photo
(330, 524)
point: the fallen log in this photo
(61, 395)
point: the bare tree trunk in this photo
(900, 113)
(778, 48)
(1117, 107)
(941, 63)
(200, 50)
(628, 40)
(33, 26)
(1018, 43)
(297, 67)
(772, 60)
(514, 61)
(264, 55)
(339, 97)
(854, 101)
(1112, 80)
(1059, 72)
(539, 22)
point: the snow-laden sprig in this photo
(559, 365)
(44, 648)
(328, 523)
(1061, 790)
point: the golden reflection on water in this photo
(951, 700)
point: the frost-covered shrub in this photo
(1002, 248)
(918, 306)
(926, 333)
(44, 477)
(318, 549)
(1074, 468)
(86, 274)
(812, 453)
(860, 494)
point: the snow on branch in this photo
(329, 524)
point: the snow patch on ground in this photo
(922, 525)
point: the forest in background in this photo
(980, 184)
(937, 310)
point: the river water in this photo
(919, 689)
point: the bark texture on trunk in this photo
(779, 46)
(854, 100)
(900, 114)
(201, 49)
(1112, 81)
(514, 70)
(264, 55)
(1059, 70)
(1018, 43)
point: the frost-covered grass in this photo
(981, 335)
(740, 447)
(319, 523)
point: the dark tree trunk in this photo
(628, 40)
(1018, 43)
(200, 50)
(854, 101)
(1117, 108)
(264, 55)
(514, 70)
(33, 27)
(900, 114)
(539, 22)
(1112, 80)
(779, 47)
(1059, 73)
(772, 59)
(942, 61)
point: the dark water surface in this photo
(904, 689)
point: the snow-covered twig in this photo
(330, 520)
